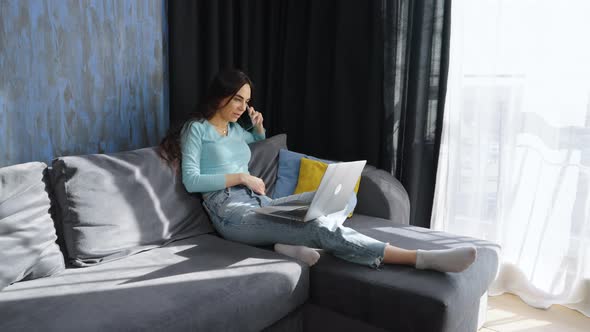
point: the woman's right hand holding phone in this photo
(257, 119)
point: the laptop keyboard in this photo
(298, 213)
(293, 203)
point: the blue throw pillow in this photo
(288, 172)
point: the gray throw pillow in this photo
(27, 236)
(264, 162)
(116, 205)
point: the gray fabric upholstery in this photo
(320, 319)
(199, 284)
(293, 322)
(383, 196)
(264, 162)
(402, 298)
(115, 205)
(27, 235)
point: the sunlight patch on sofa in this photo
(407, 233)
(112, 285)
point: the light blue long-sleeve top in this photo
(207, 156)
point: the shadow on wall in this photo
(81, 77)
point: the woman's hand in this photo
(257, 119)
(254, 183)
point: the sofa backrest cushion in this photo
(264, 161)
(114, 205)
(27, 236)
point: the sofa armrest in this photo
(383, 196)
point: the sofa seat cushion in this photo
(402, 298)
(202, 283)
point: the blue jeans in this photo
(232, 215)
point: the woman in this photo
(214, 155)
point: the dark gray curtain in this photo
(345, 79)
(317, 67)
(209, 35)
(416, 39)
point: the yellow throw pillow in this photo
(311, 173)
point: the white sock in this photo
(302, 253)
(447, 260)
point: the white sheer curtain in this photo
(514, 163)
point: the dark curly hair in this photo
(225, 84)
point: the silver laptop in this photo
(335, 189)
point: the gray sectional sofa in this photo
(141, 255)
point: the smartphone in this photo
(245, 121)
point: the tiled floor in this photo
(508, 313)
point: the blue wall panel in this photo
(81, 76)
